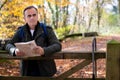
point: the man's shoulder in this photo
(49, 27)
(21, 27)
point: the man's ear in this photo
(24, 18)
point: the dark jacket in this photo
(50, 44)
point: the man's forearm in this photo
(48, 51)
(11, 49)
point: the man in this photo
(46, 45)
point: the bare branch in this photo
(3, 4)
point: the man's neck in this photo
(32, 27)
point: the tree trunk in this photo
(52, 11)
(65, 16)
(56, 15)
(99, 11)
(75, 18)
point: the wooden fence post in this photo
(113, 60)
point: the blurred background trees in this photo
(65, 16)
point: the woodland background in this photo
(65, 16)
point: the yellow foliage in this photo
(5, 33)
(63, 3)
(12, 15)
(60, 3)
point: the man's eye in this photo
(34, 14)
(29, 15)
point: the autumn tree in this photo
(59, 12)
(12, 14)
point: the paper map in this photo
(27, 48)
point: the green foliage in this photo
(62, 31)
(110, 19)
(110, 30)
(113, 42)
(113, 19)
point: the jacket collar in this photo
(38, 31)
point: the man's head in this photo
(31, 16)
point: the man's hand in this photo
(39, 50)
(19, 53)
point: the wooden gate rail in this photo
(43, 78)
(60, 55)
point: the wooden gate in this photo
(87, 56)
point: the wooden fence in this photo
(60, 55)
(113, 60)
(112, 57)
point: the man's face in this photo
(31, 17)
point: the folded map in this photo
(27, 48)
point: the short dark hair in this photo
(29, 7)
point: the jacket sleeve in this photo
(53, 43)
(10, 45)
(11, 49)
